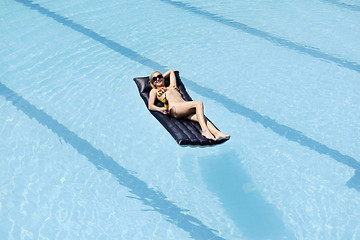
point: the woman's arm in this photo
(171, 73)
(151, 103)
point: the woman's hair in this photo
(151, 76)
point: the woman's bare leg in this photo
(218, 134)
(184, 109)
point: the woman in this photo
(178, 107)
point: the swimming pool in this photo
(82, 158)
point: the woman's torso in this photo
(172, 94)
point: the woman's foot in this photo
(221, 136)
(207, 134)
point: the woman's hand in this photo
(164, 111)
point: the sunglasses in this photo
(156, 77)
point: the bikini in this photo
(163, 90)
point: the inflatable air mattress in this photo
(184, 131)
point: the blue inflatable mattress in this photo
(184, 131)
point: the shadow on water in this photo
(343, 5)
(354, 182)
(252, 214)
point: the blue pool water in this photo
(82, 158)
